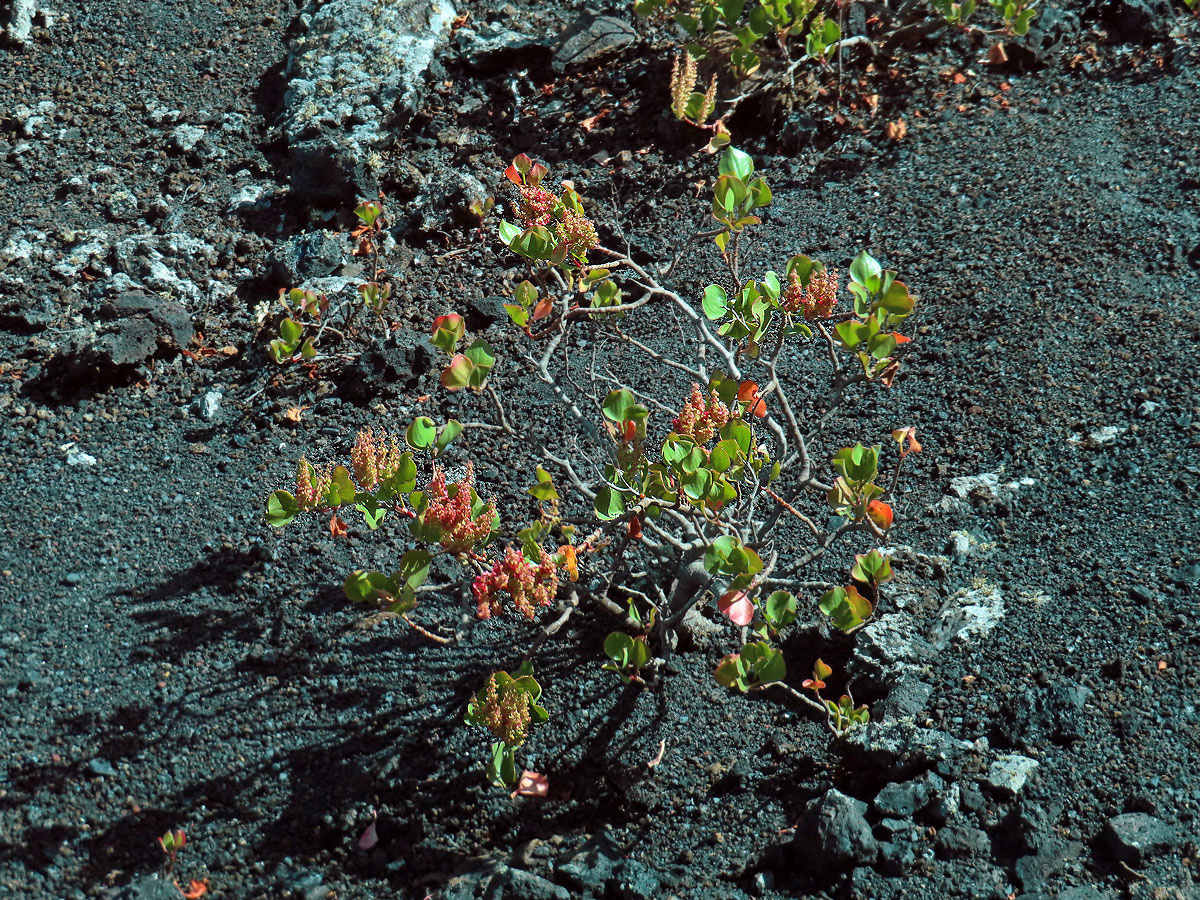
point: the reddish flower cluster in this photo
(452, 515)
(578, 233)
(530, 584)
(536, 206)
(701, 417)
(506, 714)
(373, 459)
(815, 302)
(309, 492)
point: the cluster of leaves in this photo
(471, 367)
(553, 227)
(506, 706)
(452, 518)
(749, 23)
(302, 308)
(307, 313)
(843, 714)
(687, 474)
(1017, 14)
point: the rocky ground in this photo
(168, 660)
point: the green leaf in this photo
(544, 490)
(402, 481)
(618, 647)
(760, 194)
(609, 504)
(736, 163)
(371, 513)
(458, 374)
(281, 508)
(519, 317)
(731, 10)
(508, 232)
(619, 406)
(716, 302)
(739, 432)
(446, 434)
(421, 433)
(896, 300)
(290, 330)
(366, 587)
(414, 568)
(871, 568)
(341, 488)
(730, 673)
(780, 609)
(864, 269)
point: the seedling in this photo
(506, 706)
(627, 655)
(171, 843)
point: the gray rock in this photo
(1135, 837)
(1050, 860)
(906, 699)
(902, 800)
(493, 48)
(955, 841)
(130, 342)
(20, 21)
(185, 137)
(833, 833)
(357, 70)
(591, 867)
(898, 829)
(968, 615)
(209, 405)
(637, 881)
(895, 858)
(1084, 892)
(1009, 773)
(901, 748)
(168, 314)
(889, 648)
(1054, 24)
(79, 458)
(148, 887)
(591, 38)
(945, 805)
(102, 767)
(521, 885)
(122, 206)
(1136, 20)
(313, 255)
(1043, 713)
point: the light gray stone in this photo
(359, 66)
(1009, 773)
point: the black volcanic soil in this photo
(168, 660)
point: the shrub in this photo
(709, 472)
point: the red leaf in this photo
(748, 394)
(532, 784)
(370, 837)
(589, 124)
(635, 527)
(195, 889)
(337, 527)
(543, 308)
(513, 175)
(738, 607)
(880, 513)
(451, 322)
